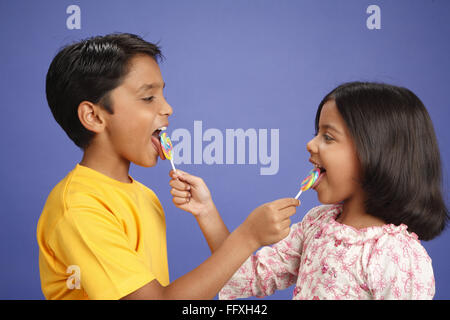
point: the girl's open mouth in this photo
(322, 174)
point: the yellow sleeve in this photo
(93, 240)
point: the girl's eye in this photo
(148, 99)
(326, 137)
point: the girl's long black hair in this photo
(399, 154)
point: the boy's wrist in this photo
(247, 237)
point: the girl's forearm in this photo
(213, 228)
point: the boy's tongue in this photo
(157, 143)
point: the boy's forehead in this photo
(143, 74)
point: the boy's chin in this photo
(147, 163)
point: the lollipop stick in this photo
(298, 194)
(173, 166)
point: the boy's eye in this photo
(148, 99)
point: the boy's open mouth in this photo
(157, 143)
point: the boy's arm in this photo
(267, 224)
(205, 281)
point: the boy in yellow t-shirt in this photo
(95, 221)
(102, 234)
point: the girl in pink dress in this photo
(380, 184)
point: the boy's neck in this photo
(103, 162)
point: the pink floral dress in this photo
(329, 260)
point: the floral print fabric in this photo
(329, 260)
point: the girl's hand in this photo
(190, 193)
(270, 222)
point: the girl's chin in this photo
(323, 198)
(327, 200)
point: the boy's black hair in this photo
(87, 71)
(399, 155)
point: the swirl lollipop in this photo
(167, 148)
(309, 181)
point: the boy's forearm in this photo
(213, 228)
(205, 281)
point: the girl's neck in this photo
(354, 215)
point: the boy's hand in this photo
(190, 193)
(270, 222)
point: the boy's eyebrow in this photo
(328, 126)
(148, 86)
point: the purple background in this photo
(231, 64)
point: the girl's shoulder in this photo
(322, 214)
(397, 239)
(323, 217)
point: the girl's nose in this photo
(311, 146)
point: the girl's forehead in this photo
(331, 119)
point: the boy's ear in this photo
(91, 116)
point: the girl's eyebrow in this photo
(328, 126)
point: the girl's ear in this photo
(91, 116)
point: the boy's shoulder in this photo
(76, 186)
(85, 187)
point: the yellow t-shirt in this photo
(100, 238)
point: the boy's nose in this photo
(167, 108)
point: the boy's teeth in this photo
(162, 128)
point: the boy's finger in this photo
(286, 202)
(289, 211)
(285, 223)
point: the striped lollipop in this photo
(167, 148)
(309, 181)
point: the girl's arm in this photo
(400, 269)
(270, 269)
(191, 194)
(266, 224)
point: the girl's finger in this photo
(180, 194)
(177, 184)
(175, 175)
(180, 201)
